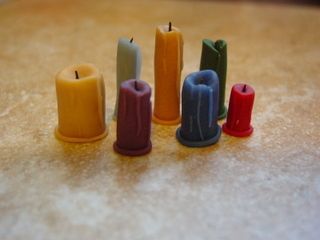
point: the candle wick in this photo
(136, 85)
(77, 75)
(244, 89)
(170, 26)
(131, 40)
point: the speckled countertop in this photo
(263, 187)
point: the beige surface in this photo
(263, 187)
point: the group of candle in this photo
(81, 97)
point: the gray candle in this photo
(128, 64)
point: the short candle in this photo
(134, 119)
(81, 104)
(238, 122)
(200, 94)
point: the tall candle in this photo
(168, 64)
(81, 104)
(240, 109)
(214, 57)
(134, 119)
(200, 96)
(128, 64)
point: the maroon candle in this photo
(239, 113)
(134, 118)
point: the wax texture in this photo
(200, 96)
(214, 57)
(81, 104)
(134, 118)
(128, 64)
(238, 122)
(168, 63)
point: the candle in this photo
(128, 64)
(214, 57)
(81, 104)
(167, 71)
(240, 110)
(134, 119)
(200, 96)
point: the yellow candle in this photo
(167, 71)
(81, 104)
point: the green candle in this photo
(214, 57)
(128, 64)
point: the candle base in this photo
(79, 140)
(166, 122)
(223, 113)
(204, 143)
(132, 153)
(237, 133)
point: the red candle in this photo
(134, 118)
(239, 113)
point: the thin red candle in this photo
(134, 118)
(238, 122)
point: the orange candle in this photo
(168, 64)
(81, 104)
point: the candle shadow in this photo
(82, 160)
(241, 148)
(130, 170)
(196, 161)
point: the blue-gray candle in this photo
(200, 98)
(128, 65)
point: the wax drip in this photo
(191, 123)
(131, 40)
(244, 89)
(77, 75)
(191, 92)
(210, 107)
(138, 116)
(190, 117)
(198, 115)
(170, 26)
(124, 105)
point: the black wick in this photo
(77, 75)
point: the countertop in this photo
(266, 186)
